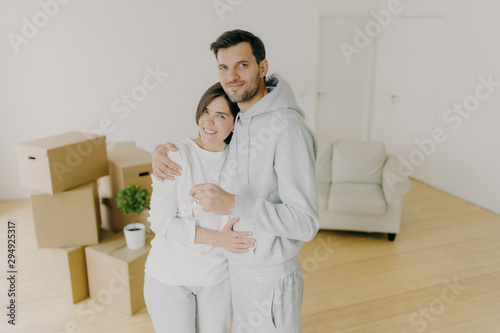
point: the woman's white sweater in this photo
(174, 258)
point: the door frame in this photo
(369, 93)
(366, 128)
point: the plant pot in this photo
(135, 235)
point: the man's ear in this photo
(263, 68)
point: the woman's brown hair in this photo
(212, 93)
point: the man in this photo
(268, 182)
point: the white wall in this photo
(91, 52)
(466, 164)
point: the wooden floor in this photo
(442, 274)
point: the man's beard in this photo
(248, 93)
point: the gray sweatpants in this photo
(188, 309)
(267, 306)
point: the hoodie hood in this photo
(280, 96)
(250, 126)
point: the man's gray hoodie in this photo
(271, 170)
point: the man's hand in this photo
(213, 199)
(232, 241)
(164, 167)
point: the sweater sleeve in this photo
(296, 217)
(163, 216)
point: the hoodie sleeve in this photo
(163, 211)
(297, 216)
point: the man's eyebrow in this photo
(238, 62)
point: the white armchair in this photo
(359, 187)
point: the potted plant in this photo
(133, 199)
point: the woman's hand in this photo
(232, 241)
(164, 167)
(213, 199)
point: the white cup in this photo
(135, 235)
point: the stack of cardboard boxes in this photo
(128, 165)
(79, 257)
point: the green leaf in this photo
(133, 199)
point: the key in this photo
(193, 203)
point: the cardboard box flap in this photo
(115, 248)
(110, 244)
(115, 145)
(127, 255)
(60, 140)
(130, 157)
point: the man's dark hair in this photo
(234, 37)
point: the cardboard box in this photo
(104, 184)
(116, 273)
(112, 145)
(118, 219)
(130, 166)
(69, 218)
(127, 166)
(64, 271)
(57, 163)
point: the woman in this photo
(186, 286)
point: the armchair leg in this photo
(391, 237)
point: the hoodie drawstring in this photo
(236, 143)
(235, 137)
(248, 152)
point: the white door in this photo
(406, 87)
(343, 83)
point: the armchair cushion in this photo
(323, 192)
(324, 161)
(358, 162)
(357, 198)
(393, 184)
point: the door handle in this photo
(320, 93)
